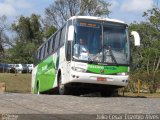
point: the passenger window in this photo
(53, 43)
(57, 41)
(63, 33)
(45, 50)
(48, 46)
(39, 55)
(42, 52)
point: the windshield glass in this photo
(115, 44)
(101, 43)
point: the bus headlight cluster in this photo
(123, 73)
(78, 69)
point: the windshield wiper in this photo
(111, 54)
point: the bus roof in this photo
(98, 18)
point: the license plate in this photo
(101, 79)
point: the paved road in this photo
(12, 103)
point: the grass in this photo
(147, 95)
(20, 83)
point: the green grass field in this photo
(20, 83)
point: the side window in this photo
(42, 52)
(53, 42)
(57, 41)
(63, 33)
(48, 46)
(36, 57)
(46, 49)
(39, 54)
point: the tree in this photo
(37, 30)
(3, 37)
(29, 38)
(61, 10)
(22, 53)
(148, 55)
(29, 29)
(48, 31)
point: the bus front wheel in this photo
(61, 87)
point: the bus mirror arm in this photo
(136, 38)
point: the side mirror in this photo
(136, 38)
(71, 33)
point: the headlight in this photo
(123, 73)
(78, 69)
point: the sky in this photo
(125, 10)
(131, 10)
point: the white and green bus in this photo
(87, 54)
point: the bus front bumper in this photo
(116, 80)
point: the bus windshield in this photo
(101, 43)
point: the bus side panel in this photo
(62, 64)
(46, 74)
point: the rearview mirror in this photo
(136, 38)
(71, 33)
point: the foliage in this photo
(49, 30)
(29, 29)
(61, 10)
(3, 36)
(29, 37)
(147, 57)
(22, 53)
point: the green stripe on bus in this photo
(100, 69)
(45, 74)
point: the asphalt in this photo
(61, 106)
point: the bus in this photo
(98, 63)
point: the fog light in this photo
(73, 76)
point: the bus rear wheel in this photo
(62, 89)
(38, 92)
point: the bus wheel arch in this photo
(62, 90)
(37, 87)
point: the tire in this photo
(38, 92)
(62, 89)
